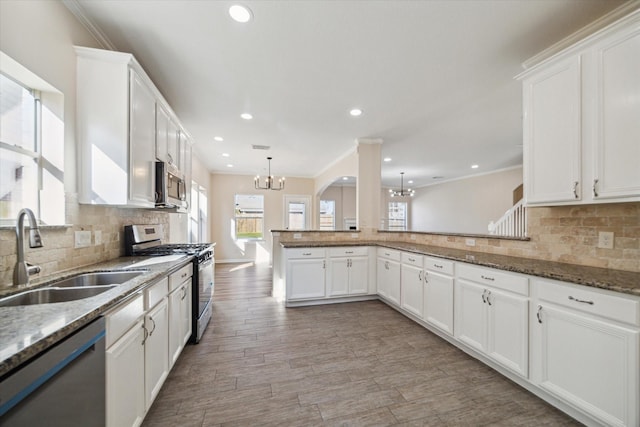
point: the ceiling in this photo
(434, 78)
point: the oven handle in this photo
(206, 263)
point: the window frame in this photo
(405, 218)
(333, 216)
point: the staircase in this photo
(513, 223)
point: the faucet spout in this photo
(22, 270)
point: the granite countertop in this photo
(25, 331)
(626, 282)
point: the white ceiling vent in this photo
(261, 147)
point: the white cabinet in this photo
(411, 285)
(438, 293)
(581, 127)
(388, 269)
(305, 273)
(166, 138)
(492, 315)
(179, 320)
(125, 405)
(348, 271)
(585, 350)
(156, 356)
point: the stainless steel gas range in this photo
(147, 240)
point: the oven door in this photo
(205, 285)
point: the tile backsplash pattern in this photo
(566, 234)
(59, 254)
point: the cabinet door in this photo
(175, 325)
(382, 281)
(156, 354)
(617, 136)
(508, 330)
(587, 362)
(552, 134)
(358, 275)
(125, 404)
(393, 283)
(338, 280)
(470, 314)
(142, 138)
(438, 301)
(305, 278)
(411, 289)
(162, 126)
(173, 145)
(185, 312)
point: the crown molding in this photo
(78, 11)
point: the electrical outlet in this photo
(413, 237)
(97, 237)
(470, 242)
(605, 239)
(297, 235)
(82, 239)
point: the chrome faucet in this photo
(23, 269)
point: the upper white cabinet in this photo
(123, 125)
(582, 120)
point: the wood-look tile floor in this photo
(355, 364)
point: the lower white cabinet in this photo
(156, 355)
(125, 379)
(585, 350)
(388, 280)
(305, 278)
(492, 320)
(179, 320)
(438, 294)
(348, 271)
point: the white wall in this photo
(465, 205)
(222, 191)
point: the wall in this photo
(464, 205)
(40, 35)
(223, 189)
(345, 198)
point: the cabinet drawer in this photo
(306, 253)
(121, 318)
(155, 293)
(438, 265)
(590, 301)
(389, 254)
(349, 251)
(177, 278)
(492, 277)
(412, 259)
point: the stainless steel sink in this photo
(70, 289)
(50, 295)
(104, 278)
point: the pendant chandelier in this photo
(269, 181)
(402, 192)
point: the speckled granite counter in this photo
(613, 280)
(25, 331)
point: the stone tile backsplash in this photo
(59, 254)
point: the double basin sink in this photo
(70, 289)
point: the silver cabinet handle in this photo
(154, 325)
(538, 314)
(484, 298)
(184, 293)
(595, 191)
(489, 298)
(387, 254)
(146, 335)
(488, 278)
(306, 253)
(386, 265)
(411, 259)
(438, 266)
(420, 275)
(348, 252)
(324, 264)
(580, 300)
(575, 189)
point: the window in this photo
(31, 152)
(249, 217)
(198, 214)
(327, 214)
(398, 216)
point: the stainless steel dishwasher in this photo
(64, 386)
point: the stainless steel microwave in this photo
(171, 190)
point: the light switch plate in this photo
(297, 236)
(605, 239)
(470, 242)
(82, 239)
(97, 237)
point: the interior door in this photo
(297, 212)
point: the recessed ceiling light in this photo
(229, 165)
(246, 116)
(438, 177)
(387, 159)
(225, 154)
(474, 166)
(218, 138)
(240, 13)
(409, 182)
(356, 112)
(345, 178)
